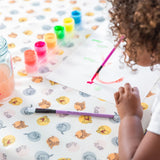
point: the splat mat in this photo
(79, 67)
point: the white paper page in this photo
(81, 65)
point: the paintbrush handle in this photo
(94, 76)
(85, 113)
(41, 110)
(107, 58)
(112, 51)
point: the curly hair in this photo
(139, 22)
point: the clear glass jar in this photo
(6, 71)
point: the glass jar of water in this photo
(6, 71)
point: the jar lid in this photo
(59, 31)
(68, 24)
(40, 47)
(50, 39)
(76, 15)
(30, 57)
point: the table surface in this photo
(25, 136)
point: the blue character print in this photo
(46, 27)
(84, 94)
(41, 155)
(40, 17)
(33, 136)
(1, 125)
(61, 13)
(115, 141)
(116, 118)
(100, 19)
(98, 8)
(25, 111)
(13, 12)
(29, 91)
(63, 127)
(2, 26)
(35, 4)
(24, 49)
(68, 44)
(89, 156)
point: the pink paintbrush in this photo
(107, 58)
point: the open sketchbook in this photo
(81, 65)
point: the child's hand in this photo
(128, 101)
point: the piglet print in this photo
(79, 106)
(44, 104)
(37, 79)
(53, 141)
(113, 156)
(82, 134)
(19, 125)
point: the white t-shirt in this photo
(154, 125)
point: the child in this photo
(139, 22)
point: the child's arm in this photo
(132, 145)
(130, 136)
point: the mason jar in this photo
(6, 71)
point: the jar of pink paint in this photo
(41, 50)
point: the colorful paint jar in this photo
(51, 40)
(59, 31)
(69, 24)
(76, 15)
(30, 61)
(41, 50)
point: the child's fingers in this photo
(121, 90)
(135, 89)
(116, 97)
(127, 87)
